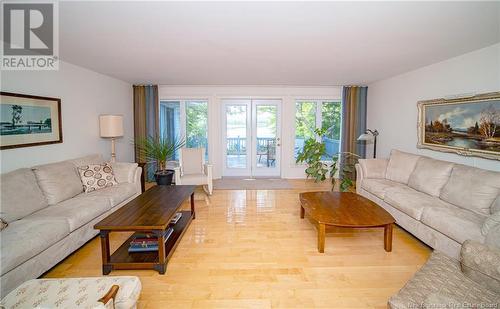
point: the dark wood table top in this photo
(344, 209)
(152, 210)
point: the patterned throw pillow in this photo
(97, 176)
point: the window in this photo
(312, 114)
(185, 119)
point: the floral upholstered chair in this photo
(95, 293)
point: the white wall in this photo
(392, 103)
(288, 95)
(84, 95)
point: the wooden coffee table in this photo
(345, 209)
(149, 212)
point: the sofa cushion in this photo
(481, 263)
(430, 176)
(16, 184)
(25, 238)
(373, 168)
(456, 223)
(58, 181)
(410, 201)
(124, 172)
(400, 166)
(378, 187)
(77, 211)
(115, 194)
(472, 188)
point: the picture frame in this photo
(28, 120)
(468, 126)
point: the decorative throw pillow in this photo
(97, 176)
(3, 224)
(481, 263)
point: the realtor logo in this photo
(30, 36)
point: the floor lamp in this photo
(370, 135)
(111, 126)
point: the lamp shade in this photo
(111, 125)
(366, 137)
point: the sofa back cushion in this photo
(88, 160)
(472, 188)
(373, 168)
(430, 175)
(58, 181)
(400, 166)
(20, 195)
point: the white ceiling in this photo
(264, 43)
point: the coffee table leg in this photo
(302, 212)
(106, 268)
(321, 238)
(388, 237)
(161, 267)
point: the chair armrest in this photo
(177, 175)
(110, 295)
(207, 169)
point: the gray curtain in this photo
(353, 119)
(146, 110)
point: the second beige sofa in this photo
(441, 203)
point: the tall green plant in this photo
(314, 153)
(159, 150)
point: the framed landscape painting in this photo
(467, 126)
(27, 120)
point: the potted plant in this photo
(314, 153)
(160, 150)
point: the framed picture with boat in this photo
(27, 120)
(466, 126)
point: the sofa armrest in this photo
(359, 177)
(373, 168)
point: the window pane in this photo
(305, 123)
(266, 135)
(331, 115)
(236, 123)
(170, 124)
(197, 125)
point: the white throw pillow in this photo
(97, 176)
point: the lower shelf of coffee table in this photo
(122, 259)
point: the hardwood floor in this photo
(250, 249)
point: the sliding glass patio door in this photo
(251, 137)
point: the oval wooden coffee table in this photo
(345, 209)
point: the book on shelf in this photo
(147, 244)
(176, 218)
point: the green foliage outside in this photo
(196, 124)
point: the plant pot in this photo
(164, 178)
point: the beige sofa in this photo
(49, 216)
(441, 203)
